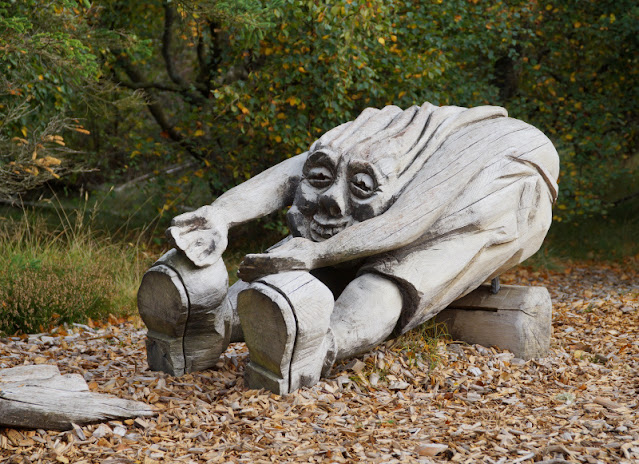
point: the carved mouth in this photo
(321, 230)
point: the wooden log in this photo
(39, 397)
(516, 319)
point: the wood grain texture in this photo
(431, 201)
(516, 319)
(39, 397)
(183, 307)
(285, 319)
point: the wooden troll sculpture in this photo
(393, 217)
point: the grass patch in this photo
(422, 343)
(52, 275)
(610, 236)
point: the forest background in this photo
(127, 113)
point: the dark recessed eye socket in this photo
(362, 185)
(319, 176)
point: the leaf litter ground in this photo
(475, 405)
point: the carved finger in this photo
(170, 235)
(259, 265)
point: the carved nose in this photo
(332, 202)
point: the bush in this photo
(64, 275)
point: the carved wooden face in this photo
(336, 192)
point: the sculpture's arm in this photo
(423, 202)
(202, 234)
(412, 214)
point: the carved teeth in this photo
(324, 231)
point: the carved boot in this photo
(187, 312)
(285, 318)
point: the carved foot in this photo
(183, 308)
(516, 319)
(285, 318)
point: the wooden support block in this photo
(182, 307)
(517, 318)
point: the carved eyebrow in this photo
(321, 158)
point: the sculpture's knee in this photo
(181, 305)
(285, 318)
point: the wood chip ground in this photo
(477, 405)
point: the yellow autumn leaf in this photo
(198, 133)
(50, 161)
(51, 172)
(24, 131)
(381, 40)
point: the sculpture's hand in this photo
(297, 254)
(202, 235)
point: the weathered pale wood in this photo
(39, 397)
(431, 201)
(285, 318)
(269, 333)
(516, 319)
(182, 306)
(365, 314)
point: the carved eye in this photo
(362, 185)
(319, 177)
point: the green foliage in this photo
(237, 86)
(567, 67)
(47, 69)
(50, 276)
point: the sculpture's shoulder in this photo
(536, 147)
(491, 131)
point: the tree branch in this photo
(158, 112)
(150, 85)
(169, 18)
(626, 198)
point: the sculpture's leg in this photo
(285, 318)
(365, 314)
(187, 312)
